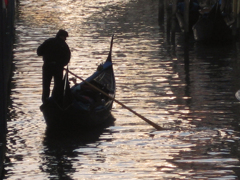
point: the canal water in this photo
(189, 89)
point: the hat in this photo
(62, 32)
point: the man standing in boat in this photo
(56, 54)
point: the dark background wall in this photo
(7, 16)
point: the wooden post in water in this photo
(234, 5)
(238, 19)
(166, 20)
(161, 12)
(173, 23)
(236, 15)
(186, 18)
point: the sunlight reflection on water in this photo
(194, 100)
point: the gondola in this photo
(213, 26)
(193, 14)
(82, 105)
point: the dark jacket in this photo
(55, 51)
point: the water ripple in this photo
(190, 93)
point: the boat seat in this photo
(84, 99)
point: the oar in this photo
(134, 112)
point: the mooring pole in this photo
(186, 19)
(238, 18)
(173, 23)
(186, 15)
(161, 12)
(166, 20)
(236, 10)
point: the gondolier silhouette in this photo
(56, 54)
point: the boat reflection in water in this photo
(62, 147)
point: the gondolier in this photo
(56, 54)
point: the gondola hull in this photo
(212, 28)
(74, 116)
